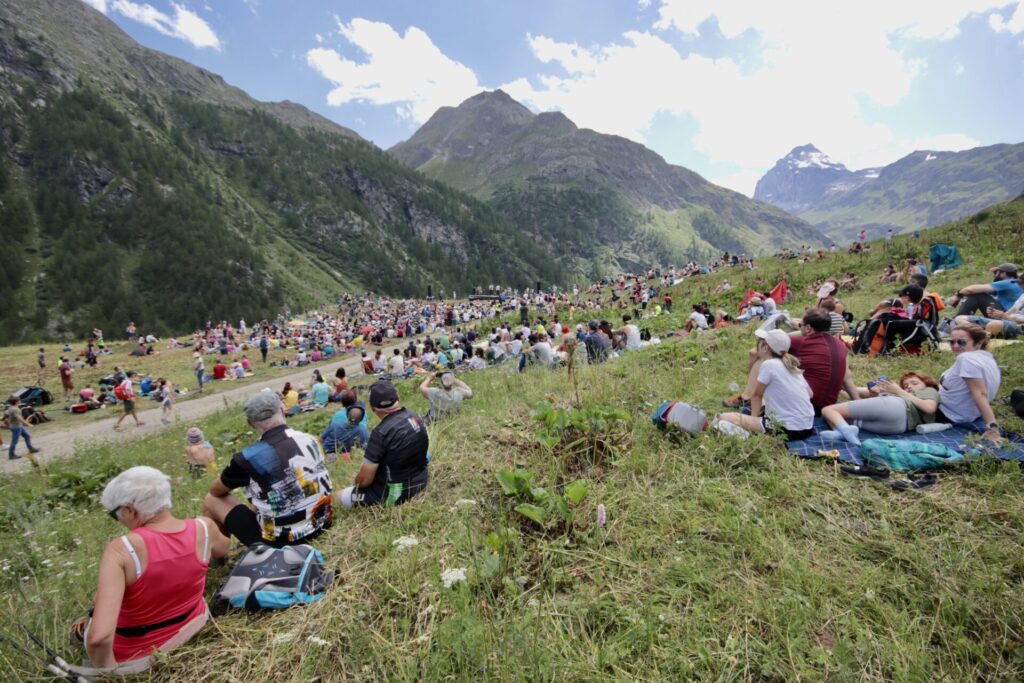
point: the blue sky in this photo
(724, 87)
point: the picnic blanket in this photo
(955, 437)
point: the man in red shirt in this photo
(822, 359)
(220, 370)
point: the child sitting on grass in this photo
(199, 454)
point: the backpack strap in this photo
(135, 557)
(206, 539)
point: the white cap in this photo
(777, 340)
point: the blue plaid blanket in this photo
(955, 438)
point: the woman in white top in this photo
(966, 390)
(783, 390)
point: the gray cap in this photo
(262, 406)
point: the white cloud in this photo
(100, 5)
(185, 24)
(1014, 25)
(407, 71)
(318, 38)
(958, 69)
(818, 63)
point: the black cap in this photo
(383, 394)
(913, 292)
(592, 324)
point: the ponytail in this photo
(791, 362)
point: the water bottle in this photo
(932, 428)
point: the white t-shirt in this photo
(770, 306)
(632, 336)
(543, 352)
(516, 347)
(786, 396)
(699, 319)
(955, 397)
(396, 366)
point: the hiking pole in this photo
(51, 665)
(67, 669)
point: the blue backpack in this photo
(274, 578)
(907, 455)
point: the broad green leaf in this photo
(577, 491)
(492, 565)
(530, 511)
(562, 507)
(538, 493)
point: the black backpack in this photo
(1017, 401)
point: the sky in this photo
(723, 87)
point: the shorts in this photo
(241, 522)
(773, 427)
(1011, 330)
(394, 493)
(129, 405)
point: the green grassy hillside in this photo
(720, 559)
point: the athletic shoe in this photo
(736, 401)
(33, 450)
(14, 457)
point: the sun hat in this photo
(777, 340)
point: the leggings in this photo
(881, 415)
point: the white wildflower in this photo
(405, 542)
(464, 501)
(317, 641)
(533, 602)
(422, 640)
(429, 609)
(283, 638)
(452, 576)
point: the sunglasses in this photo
(113, 513)
(958, 342)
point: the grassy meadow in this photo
(18, 367)
(720, 559)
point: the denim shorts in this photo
(1011, 330)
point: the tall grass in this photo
(720, 560)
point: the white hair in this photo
(146, 489)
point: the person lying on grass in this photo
(895, 408)
(149, 595)
(781, 387)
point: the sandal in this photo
(865, 471)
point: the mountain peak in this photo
(809, 156)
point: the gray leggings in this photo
(881, 415)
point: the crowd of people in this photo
(151, 580)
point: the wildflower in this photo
(602, 515)
(452, 576)
(422, 640)
(317, 641)
(283, 638)
(405, 542)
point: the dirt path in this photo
(63, 443)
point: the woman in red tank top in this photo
(150, 590)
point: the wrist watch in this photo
(993, 425)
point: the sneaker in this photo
(14, 457)
(730, 429)
(165, 421)
(33, 450)
(736, 401)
